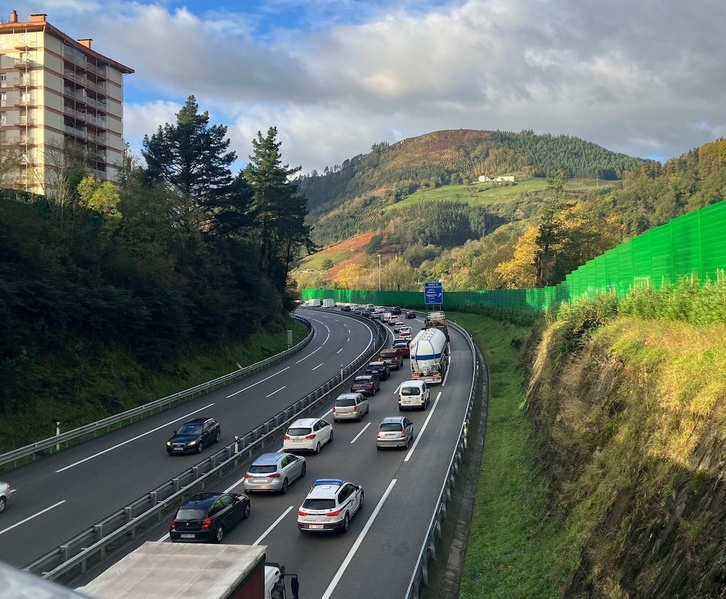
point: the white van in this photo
(413, 394)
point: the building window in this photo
(3, 99)
(3, 120)
(3, 80)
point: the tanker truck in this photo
(429, 357)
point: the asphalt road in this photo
(375, 558)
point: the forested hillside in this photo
(439, 221)
(180, 255)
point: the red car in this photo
(402, 346)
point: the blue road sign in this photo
(433, 292)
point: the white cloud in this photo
(645, 78)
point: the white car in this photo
(329, 506)
(4, 495)
(307, 434)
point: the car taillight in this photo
(286, 437)
(379, 432)
(302, 513)
(173, 525)
(310, 436)
(275, 475)
(333, 513)
(355, 408)
(248, 475)
(207, 523)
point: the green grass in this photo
(488, 193)
(510, 544)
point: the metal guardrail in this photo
(93, 545)
(420, 577)
(94, 429)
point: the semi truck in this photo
(193, 571)
(437, 320)
(429, 355)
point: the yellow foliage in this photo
(519, 272)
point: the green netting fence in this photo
(691, 245)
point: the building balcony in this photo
(96, 69)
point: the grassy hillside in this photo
(603, 465)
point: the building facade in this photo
(57, 97)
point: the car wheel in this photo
(200, 447)
(246, 513)
(284, 487)
(362, 497)
(218, 437)
(220, 534)
(346, 523)
(317, 447)
(2, 504)
(304, 470)
(378, 447)
(330, 439)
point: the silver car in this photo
(394, 431)
(4, 495)
(307, 434)
(350, 406)
(274, 472)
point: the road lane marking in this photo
(153, 430)
(360, 433)
(310, 354)
(340, 350)
(358, 541)
(423, 428)
(272, 526)
(31, 517)
(260, 381)
(277, 391)
(319, 365)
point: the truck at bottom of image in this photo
(429, 356)
(194, 571)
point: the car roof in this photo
(397, 419)
(348, 395)
(377, 363)
(269, 458)
(326, 487)
(203, 499)
(304, 422)
(198, 420)
(363, 377)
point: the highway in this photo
(59, 496)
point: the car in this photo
(329, 506)
(367, 384)
(307, 434)
(410, 314)
(397, 326)
(413, 394)
(194, 436)
(4, 495)
(392, 357)
(392, 320)
(366, 312)
(345, 308)
(379, 369)
(350, 406)
(405, 331)
(206, 517)
(274, 472)
(403, 348)
(394, 431)
(396, 310)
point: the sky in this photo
(642, 77)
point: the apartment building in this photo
(58, 97)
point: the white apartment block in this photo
(56, 93)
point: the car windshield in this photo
(390, 426)
(345, 401)
(299, 432)
(190, 429)
(390, 353)
(186, 513)
(362, 379)
(263, 468)
(410, 391)
(319, 504)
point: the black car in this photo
(194, 436)
(379, 369)
(345, 308)
(393, 357)
(410, 314)
(365, 384)
(396, 311)
(207, 516)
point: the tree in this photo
(398, 275)
(190, 159)
(550, 229)
(520, 271)
(279, 211)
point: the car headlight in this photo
(192, 442)
(168, 443)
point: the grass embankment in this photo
(509, 543)
(84, 392)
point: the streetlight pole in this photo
(379, 272)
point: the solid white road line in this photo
(358, 541)
(261, 381)
(31, 517)
(153, 430)
(360, 433)
(423, 428)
